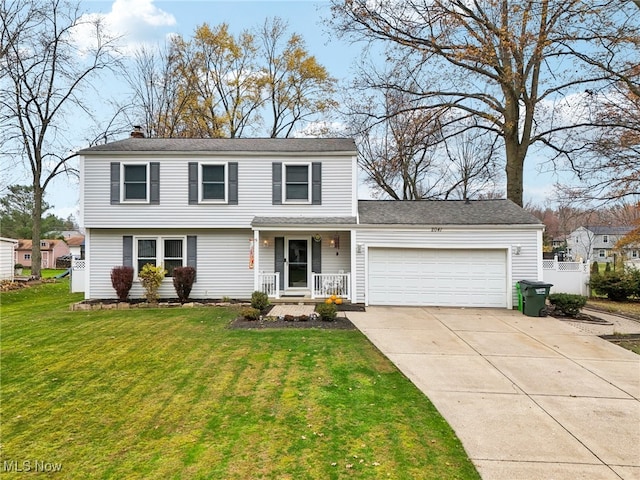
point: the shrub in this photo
(595, 268)
(18, 265)
(607, 267)
(183, 278)
(250, 313)
(122, 280)
(617, 286)
(327, 311)
(151, 277)
(568, 303)
(259, 300)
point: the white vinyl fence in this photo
(77, 275)
(567, 277)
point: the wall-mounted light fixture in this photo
(265, 243)
(517, 249)
(335, 241)
(359, 247)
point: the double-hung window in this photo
(169, 252)
(602, 253)
(213, 183)
(605, 239)
(135, 185)
(297, 179)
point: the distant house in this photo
(76, 246)
(49, 248)
(597, 243)
(7, 259)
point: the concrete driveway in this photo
(530, 398)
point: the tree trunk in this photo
(36, 255)
(514, 170)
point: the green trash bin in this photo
(534, 297)
(519, 296)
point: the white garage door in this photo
(461, 278)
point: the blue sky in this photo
(150, 21)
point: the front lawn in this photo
(173, 393)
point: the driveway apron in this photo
(530, 398)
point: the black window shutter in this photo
(316, 256)
(279, 256)
(316, 183)
(277, 183)
(193, 183)
(115, 183)
(127, 251)
(154, 168)
(192, 252)
(233, 183)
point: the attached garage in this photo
(447, 277)
(445, 253)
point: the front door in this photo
(298, 263)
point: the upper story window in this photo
(605, 239)
(634, 254)
(134, 182)
(297, 179)
(213, 183)
(44, 244)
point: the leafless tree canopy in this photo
(513, 65)
(45, 73)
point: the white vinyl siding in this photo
(222, 268)
(526, 266)
(254, 193)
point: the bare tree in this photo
(45, 73)
(297, 87)
(504, 62)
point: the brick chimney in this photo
(137, 132)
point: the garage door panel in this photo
(437, 277)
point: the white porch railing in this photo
(269, 283)
(327, 284)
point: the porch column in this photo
(256, 259)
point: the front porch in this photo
(303, 264)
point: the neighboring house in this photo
(7, 258)
(50, 250)
(597, 243)
(256, 214)
(76, 246)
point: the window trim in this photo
(123, 190)
(160, 254)
(309, 198)
(201, 199)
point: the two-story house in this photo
(598, 243)
(283, 216)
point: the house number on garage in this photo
(436, 229)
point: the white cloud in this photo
(134, 22)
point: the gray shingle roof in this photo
(226, 145)
(608, 230)
(444, 212)
(270, 221)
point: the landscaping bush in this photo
(122, 280)
(183, 278)
(327, 311)
(250, 313)
(607, 267)
(568, 303)
(617, 286)
(259, 300)
(151, 277)
(595, 268)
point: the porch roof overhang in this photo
(303, 223)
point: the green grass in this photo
(173, 393)
(45, 272)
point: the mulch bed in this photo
(340, 323)
(581, 317)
